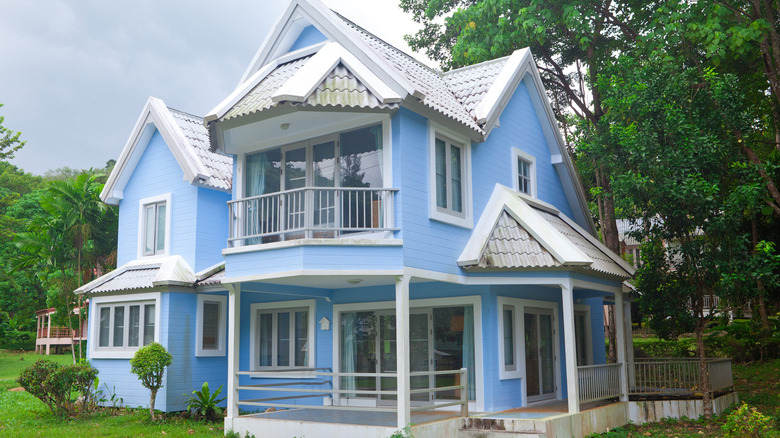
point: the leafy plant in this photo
(406, 432)
(746, 421)
(205, 404)
(56, 385)
(233, 434)
(149, 364)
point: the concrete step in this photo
(472, 433)
(481, 427)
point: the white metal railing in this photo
(309, 212)
(324, 388)
(669, 376)
(599, 382)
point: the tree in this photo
(9, 140)
(149, 364)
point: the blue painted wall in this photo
(310, 35)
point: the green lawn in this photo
(22, 415)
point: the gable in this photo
(309, 36)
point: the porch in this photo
(48, 336)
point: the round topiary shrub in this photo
(149, 364)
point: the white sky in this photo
(74, 75)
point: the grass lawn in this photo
(22, 415)
(756, 384)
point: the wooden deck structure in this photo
(59, 338)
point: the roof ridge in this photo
(184, 112)
(480, 64)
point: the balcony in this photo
(310, 213)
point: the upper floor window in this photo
(450, 181)
(524, 170)
(154, 222)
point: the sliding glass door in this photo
(539, 354)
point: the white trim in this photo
(473, 300)
(311, 305)
(518, 154)
(314, 272)
(96, 352)
(341, 241)
(464, 219)
(221, 325)
(584, 308)
(167, 199)
(503, 372)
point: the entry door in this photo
(420, 357)
(539, 354)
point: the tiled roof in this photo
(213, 279)
(510, 246)
(470, 84)
(437, 95)
(128, 280)
(220, 167)
(342, 88)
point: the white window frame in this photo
(583, 308)
(254, 339)
(124, 352)
(160, 199)
(221, 325)
(447, 215)
(504, 371)
(517, 154)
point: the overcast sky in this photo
(74, 75)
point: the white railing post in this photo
(234, 321)
(620, 340)
(570, 348)
(464, 392)
(402, 350)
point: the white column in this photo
(620, 340)
(234, 335)
(570, 348)
(402, 349)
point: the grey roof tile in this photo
(220, 167)
(470, 84)
(213, 279)
(510, 246)
(128, 280)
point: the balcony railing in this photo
(678, 376)
(599, 382)
(310, 212)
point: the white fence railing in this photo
(301, 390)
(309, 212)
(670, 376)
(599, 382)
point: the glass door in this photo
(324, 200)
(539, 354)
(294, 173)
(420, 356)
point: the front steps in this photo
(481, 427)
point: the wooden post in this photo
(570, 348)
(402, 350)
(464, 393)
(234, 322)
(620, 341)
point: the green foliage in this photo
(206, 404)
(149, 364)
(406, 432)
(59, 387)
(9, 140)
(233, 434)
(747, 340)
(747, 422)
(654, 347)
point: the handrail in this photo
(599, 382)
(667, 376)
(304, 393)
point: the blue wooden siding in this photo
(212, 227)
(310, 35)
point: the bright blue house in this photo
(350, 229)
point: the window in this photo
(282, 337)
(212, 324)
(509, 335)
(582, 332)
(450, 180)
(524, 170)
(510, 364)
(154, 225)
(125, 326)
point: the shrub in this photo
(56, 385)
(652, 347)
(149, 364)
(746, 421)
(205, 404)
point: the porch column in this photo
(629, 335)
(402, 350)
(234, 322)
(48, 335)
(570, 348)
(620, 340)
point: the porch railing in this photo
(323, 387)
(58, 332)
(677, 376)
(599, 382)
(309, 212)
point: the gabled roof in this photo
(188, 141)
(139, 275)
(518, 232)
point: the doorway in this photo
(539, 327)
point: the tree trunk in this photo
(70, 325)
(151, 403)
(759, 284)
(612, 334)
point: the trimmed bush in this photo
(149, 364)
(58, 387)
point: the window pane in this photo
(119, 326)
(361, 157)
(295, 168)
(105, 320)
(263, 172)
(211, 313)
(523, 176)
(456, 177)
(160, 228)
(135, 326)
(266, 340)
(283, 339)
(149, 230)
(509, 341)
(148, 324)
(441, 173)
(301, 337)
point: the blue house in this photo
(351, 230)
